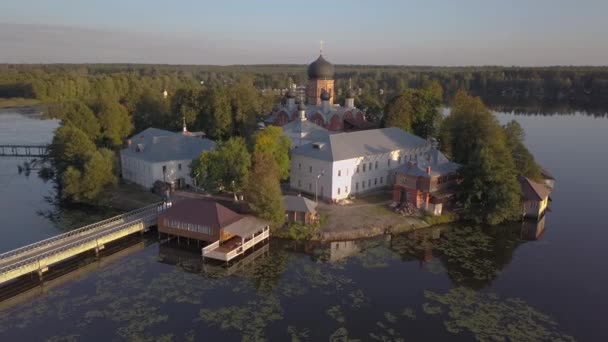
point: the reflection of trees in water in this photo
(471, 256)
(66, 216)
(265, 275)
(489, 318)
(545, 108)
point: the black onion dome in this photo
(325, 95)
(301, 106)
(290, 94)
(321, 69)
(351, 93)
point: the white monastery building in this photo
(158, 155)
(346, 164)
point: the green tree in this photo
(80, 115)
(70, 147)
(473, 137)
(115, 123)
(264, 189)
(216, 115)
(85, 185)
(274, 142)
(153, 111)
(524, 160)
(469, 126)
(400, 110)
(490, 191)
(226, 167)
(186, 104)
(246, 104)
(416, 111)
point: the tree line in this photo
(544, 88)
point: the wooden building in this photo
(226, 233)
(300, 209)
(535, 197)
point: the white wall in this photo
(343, 174)
(145, 173)
(302, 179)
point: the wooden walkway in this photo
(23, 150)
(38, 256)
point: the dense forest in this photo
(543, 90)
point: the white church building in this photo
(158, 155)
(347, 164)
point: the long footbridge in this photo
(38, 256)
(12, 150)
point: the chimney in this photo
(428, 170)
(129, 142)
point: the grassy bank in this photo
(13, 102)
(127, 197)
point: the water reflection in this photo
(471, 256)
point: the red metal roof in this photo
(203, 212)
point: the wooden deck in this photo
(234, 247)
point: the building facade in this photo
(427, 183)
(158, 155)
(347, 164)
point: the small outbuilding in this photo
(299, 209)
(535, 197)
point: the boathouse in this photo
(226, 233)
(535, 197)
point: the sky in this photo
(400, 32)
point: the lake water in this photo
(456, 283)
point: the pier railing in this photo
(22, 150)
(156, 207)
(63, 248)
(40, 255)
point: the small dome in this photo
(321, 69)
(301, 106)
(290, 94)
(325, 96)
(351, 93)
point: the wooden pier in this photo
(38, 257)
(23, 150)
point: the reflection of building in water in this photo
(190, 260)
(533, 229)
(339, 250)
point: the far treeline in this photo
(101, 105)
(545, 90)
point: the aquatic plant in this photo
(490, 319)
(336, 313)
(250, 319)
